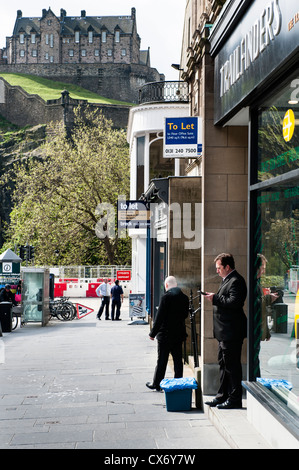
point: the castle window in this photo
(51, 40)
(117, 36)
(47, 39)
(22, 53)
(34, 53)
(77, 36)
(97, 52)
(124, 52)
(51, 58)
(104, 36)
(22, 38)
(83, 52)
(47, 55)
(109, 52)
(33, 38)
(71, 52)
(90, 37)
(49, 22)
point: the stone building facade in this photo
(100, 53)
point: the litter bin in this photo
(280, 318)
(178, 393)
(6, 317)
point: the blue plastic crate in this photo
(178, 400)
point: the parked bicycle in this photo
(62, 309)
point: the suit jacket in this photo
(169, 324)
(230, 323)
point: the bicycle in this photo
(62, 309)
(16, 313)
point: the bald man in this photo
(170, 331)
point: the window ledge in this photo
(279, 410)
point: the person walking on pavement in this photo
(230, 328)
(103, 291)
(170, 331)
(117, 297)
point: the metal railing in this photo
(164, 92)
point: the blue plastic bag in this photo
(269, 383)
(169, 385)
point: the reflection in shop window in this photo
(276, 243)
(277, 285)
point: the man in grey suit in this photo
(230, 329)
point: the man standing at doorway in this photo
(230, 327)
(103, 291)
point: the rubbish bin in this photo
(178, 393)
(280, 318)
(6, 317)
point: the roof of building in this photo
(83, 23)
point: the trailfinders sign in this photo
(183, 137)
(266, 35)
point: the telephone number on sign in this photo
(180, 151)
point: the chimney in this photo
(83, 13)
(133, 13)
(19, 14)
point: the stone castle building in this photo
(100, 53)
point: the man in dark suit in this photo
(230, 329)
(170, 331)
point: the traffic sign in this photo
(82, 311)
(123, 275)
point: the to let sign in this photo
(183, 137)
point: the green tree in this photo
(56, 196)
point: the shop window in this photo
(160, 167)
(278, 133)
(140, 166)
(275, 238)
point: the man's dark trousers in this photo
(115, 303)
(229, 360)
(164, 349)
(105, 303)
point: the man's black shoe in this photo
(229, 405)
(107, 318)
(153, 387)
(213, 403)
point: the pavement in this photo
(81, 385)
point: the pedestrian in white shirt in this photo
(103, 291)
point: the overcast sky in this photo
(159, 23)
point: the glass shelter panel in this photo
(32, 296)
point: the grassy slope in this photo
(50, 89)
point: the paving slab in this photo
(81, 385)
